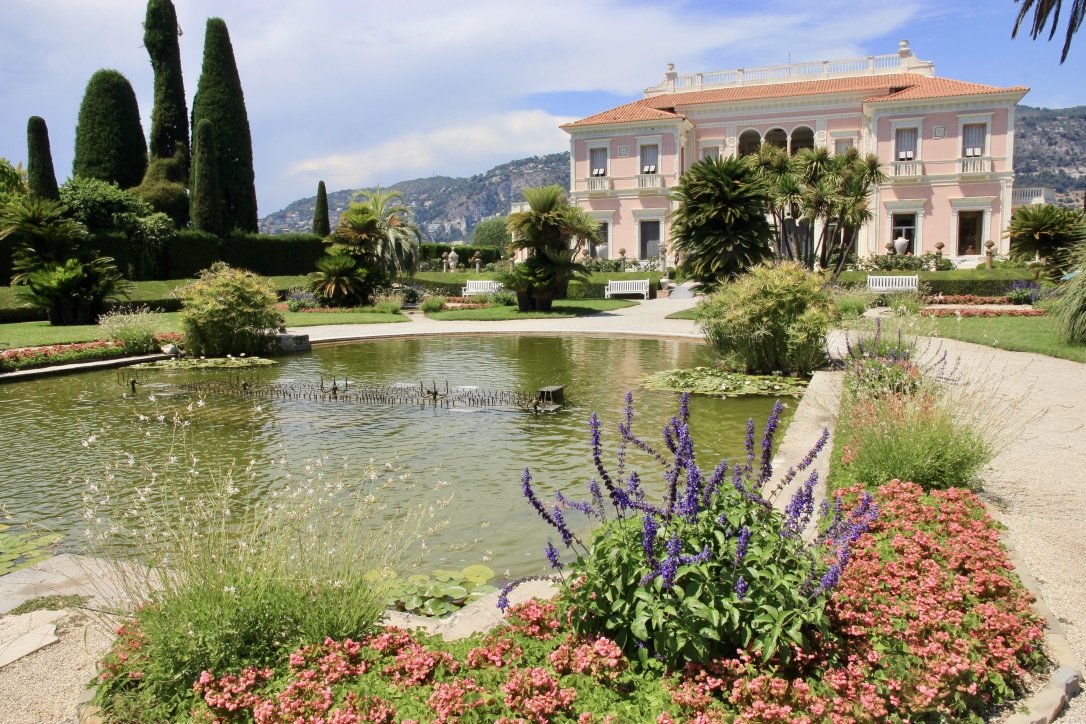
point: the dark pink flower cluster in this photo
(965, 299)
(982, 312)
(416, 664)
(498, 650)
(538, 619)
(601, 659)
(534, 692)
(449, 701)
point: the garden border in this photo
(76, 367)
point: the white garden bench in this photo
(481, 286)
(632, 286)
(893, 283)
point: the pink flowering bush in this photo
(56, 354)
(982, 312)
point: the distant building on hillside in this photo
(947, 147)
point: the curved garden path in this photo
(1034, 485)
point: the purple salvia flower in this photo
(563, 529)
(737, 480)
(696, 558)
(684, 407)
(742, 544)
(552, 556)
(766, 468)
(748, 445)
(618, 498)
(715, 482)
(584, 507)
(597, 499)
(692, 499)
(648, 535)
(669, 435)
(803, 464)
(526, 487)
(634, 491)
(800, 508)
(503, 595)
(741, 588)
(624, 431)
(671, 564)
(829, 580)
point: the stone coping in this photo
(74, 367)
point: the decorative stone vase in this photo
(901, 245)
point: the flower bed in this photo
(927, 623)
(982, 312)
(965, 299)
(27, 358)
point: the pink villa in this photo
(946, 145)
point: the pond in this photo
(480, 452)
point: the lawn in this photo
(691, 313)
(34, 334)
(563, 309)
(1021, 334)
(957, 274)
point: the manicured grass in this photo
(684, 314)
(563, 308)
(1021, 334)
(461, 277)
(311, 319)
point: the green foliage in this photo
(340, 279)
(1071, 308)
(74, 291)
(551, 222)
(206, 210)
(40, 176)
(187, 252)
(774, 318)
(492, 233)
(441, 592)
(219, 99)
(229, 311)
(169, 116)
(273, 255)
(464, 252)
(54, 602)
(381, 228)
(12, 180)
(21, 549)
(136, 327)
(109, 142)
(853, 301)
(720, 227)
(432, 304)
(1045, 9)
(1045, 229)
(163, 191)
(721, 383)
(503, 298)
(41, 233)
(321, 224)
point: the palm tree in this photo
(1045, 229)
(41, 233)
(1042, 10)
(720, 228)
(338, 278)
(396, 246)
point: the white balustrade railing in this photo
(902, 62)
(905, 169)
(974, 165)
(598, 183)
(1033, 195)
(650, 181)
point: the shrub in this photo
(1071, 310)
(775, 318)
(853, 301)
(902, 303)
(340, 280)
(388, 303)
(502, 299)
(432, 304)
(229, 311)
(109, 142)
(298, 299)
(273, 255)
(187, 252)
(411, 294)
(233, 582)
(715, 549)
(1024, 292)
(135, 327)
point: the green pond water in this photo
(480, 453)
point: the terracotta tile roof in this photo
(911, 87)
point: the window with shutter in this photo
(710, 152)
(598, 162)
(650, 158)
(843, 144)
(905, 144)
(973, 139)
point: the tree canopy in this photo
(491, 233)
(321, 224)
(41, 178)
(170, 114)
(1045, 9)
(206, 199)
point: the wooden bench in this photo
(893, 283)
(633, 286)
(481, 286)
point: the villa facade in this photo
(947, 147)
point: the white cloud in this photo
(444, 150)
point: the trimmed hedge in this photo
(979, 282)
(273, 255)
(464, 252)
(189, 252)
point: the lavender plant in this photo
(299, 299)
(712, 567)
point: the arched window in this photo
(802, 137)
(777, 137)
(749, 142)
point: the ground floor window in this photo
(969, 231)
(650, 239)
(904, 226)
(600, 251)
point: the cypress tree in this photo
(219, 99)
(320, 212)
(206, 212)
(109, 141)
(170, 115)
(41, 178)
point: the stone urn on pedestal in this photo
(901, 245)
(453, 259)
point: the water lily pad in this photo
(478, 574)
(435, 607)
(455, 593)
(446, 576)
(412, 603)
(418, 578)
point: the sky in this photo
(358, 94)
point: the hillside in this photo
(446, 208)
(1050, 150)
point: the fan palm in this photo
(338, 278)
(41, 234)
(1042, 10)
(1045, 229)
(550, 222)
(396, 246)
(720, 227)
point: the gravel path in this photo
(1034, 486)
